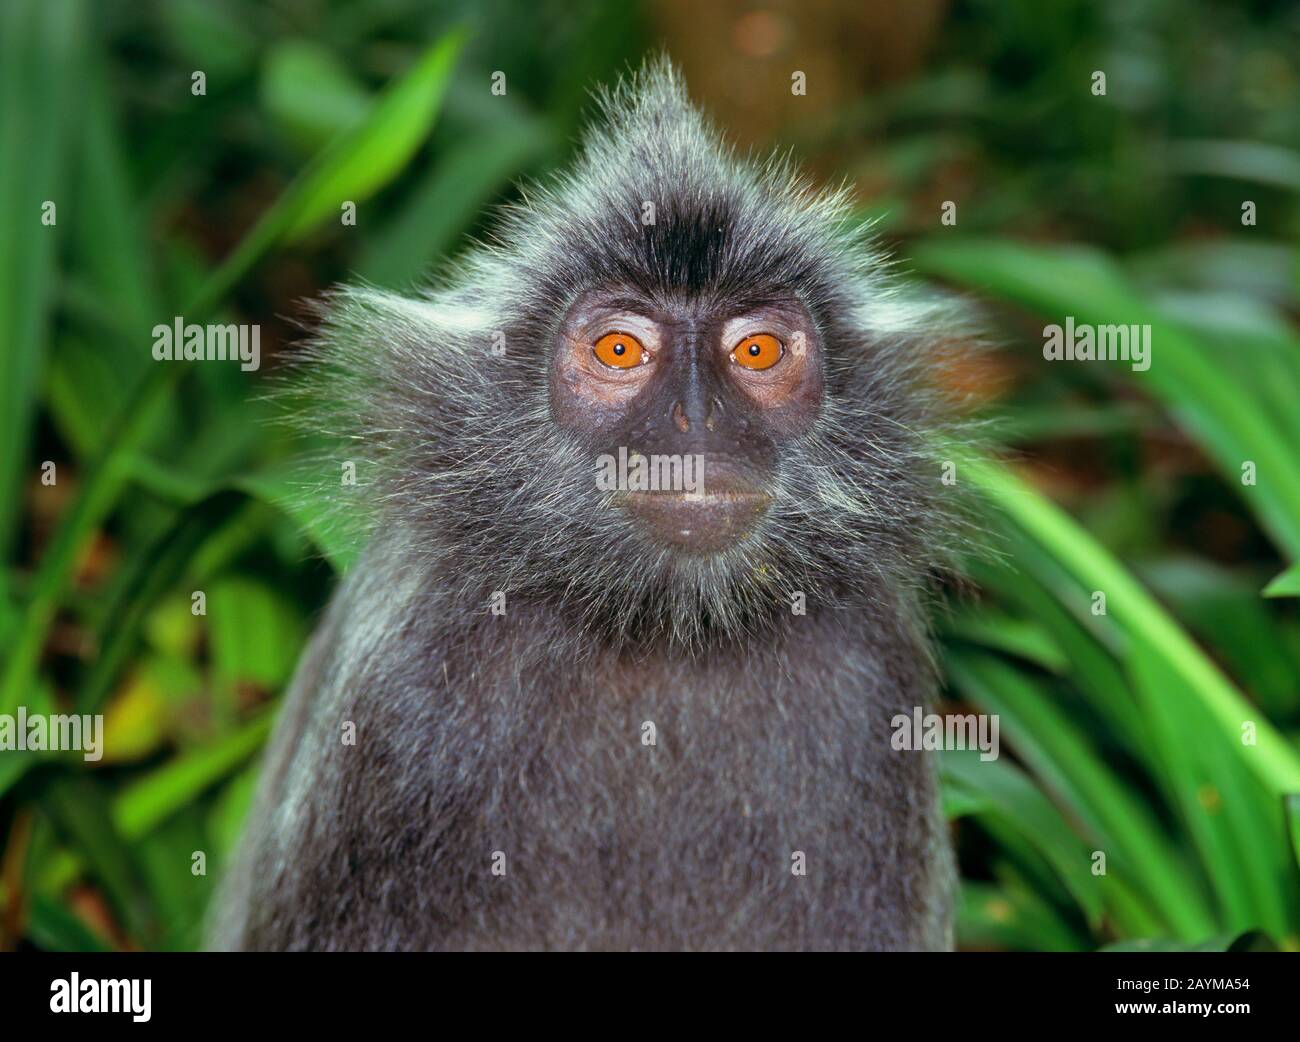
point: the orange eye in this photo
(620, 351)
(760, 351)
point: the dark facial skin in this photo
(689, 393)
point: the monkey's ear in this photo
(380, 322)
(907, 320)
(382, 369)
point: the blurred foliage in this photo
(1122, 732)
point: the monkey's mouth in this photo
(704, 522)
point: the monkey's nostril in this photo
(680, 418)
(715, 411)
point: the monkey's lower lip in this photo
(705, 522)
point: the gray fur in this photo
(522, 733)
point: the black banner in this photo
(223, 992)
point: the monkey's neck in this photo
(654, 625)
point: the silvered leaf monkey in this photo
(629, 713)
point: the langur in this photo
(651, 512)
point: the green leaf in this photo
(1241, 160)
(1274, 761)
(1031, 580)
(1200, 386)
(166, 857)
(352, 168)
(1224, 611)
(363, 160)
(1062, 758)
(212, 36)
(358, 163)
(1001, 632)
(110, 229)
(149, 574)
(464, 179)
(255, 633)
(309, 93)
(1232, 820)
(14, 763)
(111, 296)
(80, 809)
(146, 803)
(1013, 804)
(276, 486)
(1291, 806)
(997, 917)
(41, 47)
(1250, 941)
(55, 929)
(1250, 341)
(1287, 584)
(231, 808)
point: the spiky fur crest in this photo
(457, 453)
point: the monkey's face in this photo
(685, 406)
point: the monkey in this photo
(627, 718)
